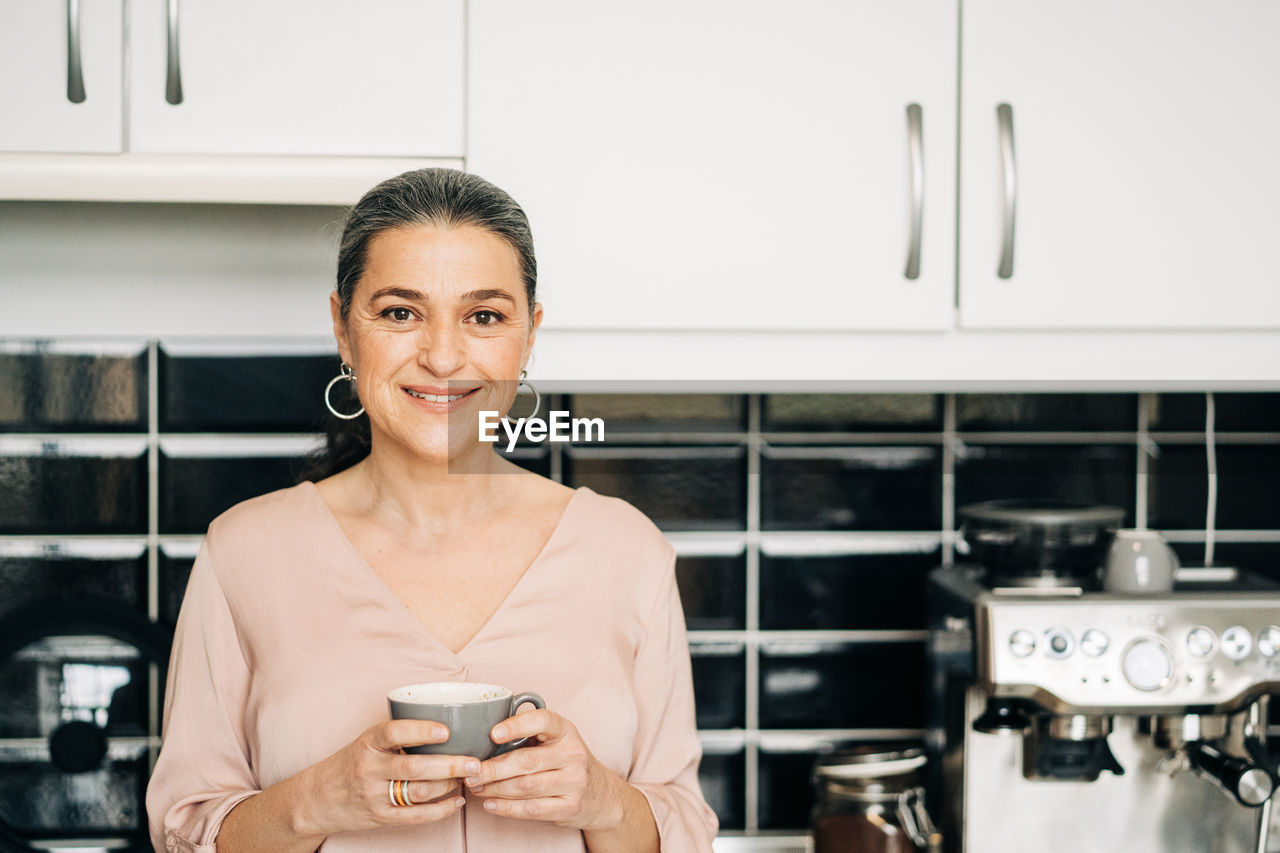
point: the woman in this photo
(425, 556)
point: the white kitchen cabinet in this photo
(313, 77)
(39, 72)
(722, 165)
(1144, 161)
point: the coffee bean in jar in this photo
(871, 800)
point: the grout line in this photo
(153, 534)
(949, 446)
(557, 449)
(1145, 444)
(751, 760)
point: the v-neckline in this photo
(384, 591)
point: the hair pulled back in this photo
(444, 198)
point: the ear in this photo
(339, 327)
(533, 334)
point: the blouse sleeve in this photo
(203, 768)
(665, 768)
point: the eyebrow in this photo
(471, 296)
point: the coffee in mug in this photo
(469, 709)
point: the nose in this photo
(441, 350)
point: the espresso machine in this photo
(1067, 719)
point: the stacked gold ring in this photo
(398, 791)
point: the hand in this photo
(349, 789)
(556, 779)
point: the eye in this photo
(487, 318)
(399, 314)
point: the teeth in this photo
(438, 398)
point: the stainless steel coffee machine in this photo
(1070, 720)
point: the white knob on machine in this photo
(1200, 642)
(1094, 643)
(1237, 642)
(1022, 643)
(1269, 641)
(1147, 664)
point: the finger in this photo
(552, 783)
(428, 792)
(518, 762)
(429, 767)
(537, 722)
(425, 813)
(542, 808)
(397, 734)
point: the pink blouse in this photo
(288, 642)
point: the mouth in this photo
(439, 399)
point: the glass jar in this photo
(872, 802)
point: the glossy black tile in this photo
(845, 685)
(41, 391)
(1091, 473)
(852, 488)
(1248, 483)
(27, 579)
(723, 781)
(51, 680)
(247, 393)
(68, 494)
(865, 591)
(174, 572)
(852, 413)
(786, 794)
(38, 799)
(680, 488)
(719, 685)
(713, 591)
(195, 490)
(1232, 412)
(623, 413)
(1047, 412)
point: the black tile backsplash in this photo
(859, 592)
(842, 685)
(246, 393)
(1047, 412)
(849, 469)
(47, 391)
(679, 488)
(852, 488)
(1248, 487)
(1092, 473)
(713, 591)
(69, 494)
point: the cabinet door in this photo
(38, 52)
(380, 77)
(721, 164)
(1144, 139)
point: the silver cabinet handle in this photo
(75, 75)
(1004, 118)
(173, 76)
(915, 145)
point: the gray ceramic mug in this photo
(469, 709)
(1139, 561)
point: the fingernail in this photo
(471, 768)
(472, 781)
(500, 731)
(440, 733)
(475, 789)
(459, 802)
(490, 805)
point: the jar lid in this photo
(867, 765)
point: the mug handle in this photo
(533, 699)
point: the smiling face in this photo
(438, 330)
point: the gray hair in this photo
(441, 197)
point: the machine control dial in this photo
(1269, 641)
(1058, 643)
(1201, 642)
(1147, 664)
(1094, 643)
(1237, 642)
(1022, 643)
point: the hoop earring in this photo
(537, 398)
(345, 374)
